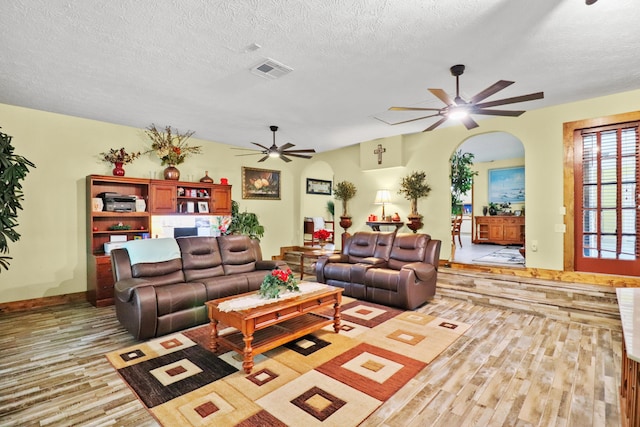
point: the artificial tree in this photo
(13, 169)
(414, 186)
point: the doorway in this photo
(495, 154)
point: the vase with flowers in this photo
(118, 158)
(277, 281)
(322, 235)
(171, 147)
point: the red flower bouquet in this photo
(322, 234)
(276, 281)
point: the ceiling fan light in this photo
(274, 154)
(457, 113)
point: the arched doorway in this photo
(314, 200)
(499, 160)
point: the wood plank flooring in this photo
(511, 368)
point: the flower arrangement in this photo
(119, 156)
(276, 281)
(171, 145)
(321, 234)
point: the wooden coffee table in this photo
(269, 326)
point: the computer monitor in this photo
(185, 231)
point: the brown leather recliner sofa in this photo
(161, 285)
(387, 268)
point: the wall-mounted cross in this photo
(379, 152)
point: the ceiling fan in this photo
(275, 151)
(458, 108)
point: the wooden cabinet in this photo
(502, 230)
(179, 197)
(100, 226)
(160, 198)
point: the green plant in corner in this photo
(13, 169)
(461, 178)
(246, 223)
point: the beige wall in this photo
(50, 257)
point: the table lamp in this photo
(382, 197)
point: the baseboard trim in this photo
(30, 304)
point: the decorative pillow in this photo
(152, 250)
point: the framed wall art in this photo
(506, 185)
(318, 186)
(261, 184)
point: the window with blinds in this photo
(607, 202)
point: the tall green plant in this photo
(13, 169)
(461, 177)
(246, 223)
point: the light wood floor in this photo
(511, 368)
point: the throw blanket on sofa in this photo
(152, 250)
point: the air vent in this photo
(271, 69)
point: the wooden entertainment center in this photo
(499, 229)
(161, 197)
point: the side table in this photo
(375, 225)
(313, 255)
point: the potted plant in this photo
(13, 169)
(461, 178)
(331, 208)
(246, 223)
(118, 158)
(414, 186)
(278, 280)
(345, 191)
(171, 147)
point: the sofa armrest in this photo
(124, 288)
(271, 264)
(374, 262)
(422, 271)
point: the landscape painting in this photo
(506, 185)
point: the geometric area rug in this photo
(321, 379)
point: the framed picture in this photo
(318, 186)
(506, 185)
(261, 184)
(203, 207)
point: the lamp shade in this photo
(382, 197)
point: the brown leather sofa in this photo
(161, 285)
(387, 268)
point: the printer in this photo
(114, 202)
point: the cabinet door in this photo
(163, 198)
(496, 232)
(221, 200)
(512, 233)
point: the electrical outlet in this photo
(534, 245)
(563, 210)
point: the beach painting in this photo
(506, 185)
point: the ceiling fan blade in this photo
(264, 158)
(469, 123)
(442, 95)
(246, 149)
(496, 87)
(308, 150)
(436, 124)
(412, 109)
(249, 154)
(510, 113)
(413, 120)
(515, 99)
(286, 159)
(302, 156)
(285, 146)
(261, 146)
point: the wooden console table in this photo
(375, 225)
(269, 326)
(499, 229)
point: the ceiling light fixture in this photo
(590, 2)
(458, 112)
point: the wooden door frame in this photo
(569, 129)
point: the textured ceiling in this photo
(186, 63)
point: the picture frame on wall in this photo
(506, 185)
(318, 186)
(203, 207)
(263, 184)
